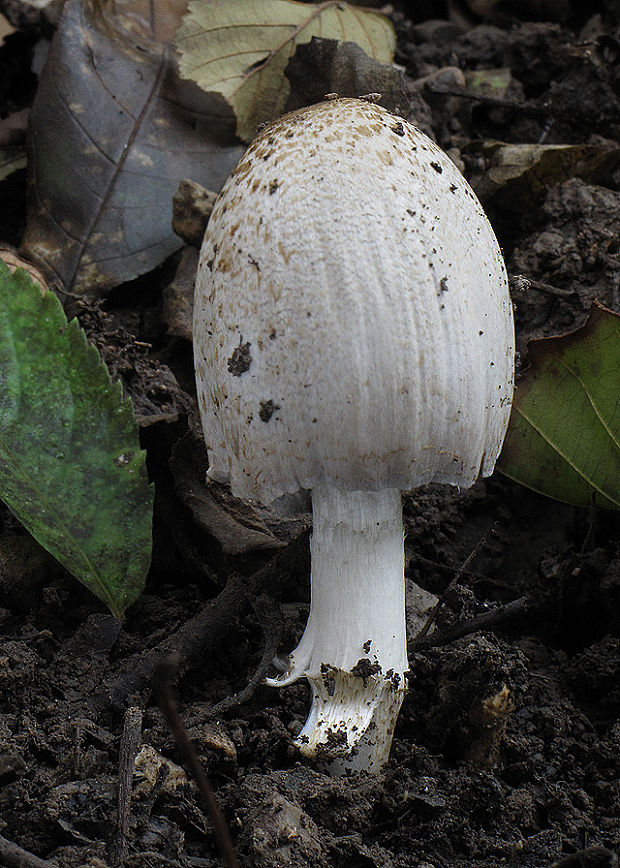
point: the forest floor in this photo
(507, 749)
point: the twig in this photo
(495, 617)
(495, 101)
(13, 856)
(166, 668)
(545, 131)
(455, 578)
(208, 628)
(130, 741)
(271, 631)
(420, 560)
(540, 286)
(592, 516)
(192, 639)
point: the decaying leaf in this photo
(113, 131)
(156, 20)
(234, 523)
(481, 7)
(71, 468)
(324, 66)
(150, 767)
(564, 434)
(488, 82)
(13, 129)
(241, 49)
(520, 175)
(6, 28)
(11, 159)
(11, 259)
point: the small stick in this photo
(497, 101)
(130, 741)
(446, 568)
(540, 286)
(166, 668)
(495, 617)
(271, 630)
(13, 856)
(206, 629)
(455, 578)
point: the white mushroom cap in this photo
(352, 320)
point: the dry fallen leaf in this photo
(235, 523)
(6, 28)
(13, 261)
(150, 766)
(324, 66)
(521, 174)
(157, 21)
(113, 131)
(241, 49)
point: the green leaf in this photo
(564, 434)
(71, 468)
(241, 49)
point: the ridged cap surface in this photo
(352, 322)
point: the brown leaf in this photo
(324, 66)
(10, 258)
(13, 129)
(234, 523)
(519, 175)
(113, 131)
(6, 28)
(157, 20)
(241, 49)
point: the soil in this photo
(507, 750)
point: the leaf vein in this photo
(565, 458)
(592, 404)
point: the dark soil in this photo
(507, 750)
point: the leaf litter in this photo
(113, 131)
(551, 798)
(241, 49)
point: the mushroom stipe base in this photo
(354, 649)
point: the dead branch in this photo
(208, 628)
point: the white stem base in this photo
(353, 650)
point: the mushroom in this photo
(353, 336)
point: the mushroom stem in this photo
(353, 650)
